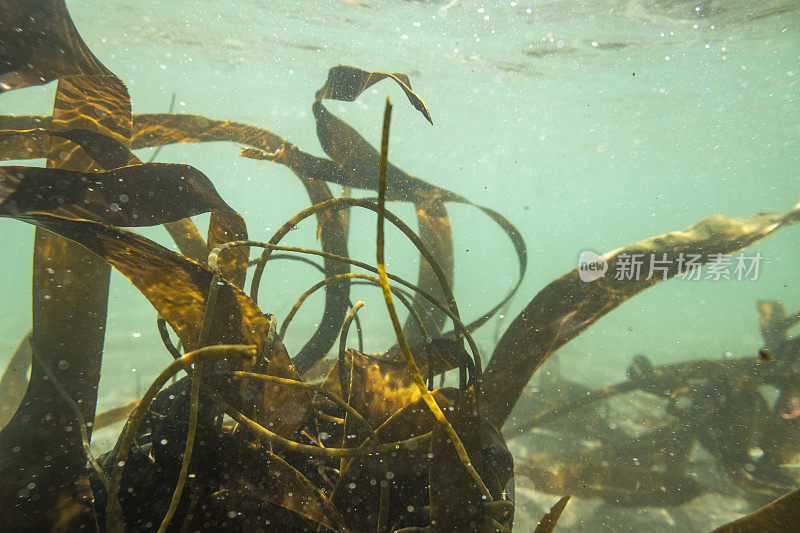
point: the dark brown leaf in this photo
(39, 43)
(456, 502)
(356, 495)
(780, 516)
(286, 408)
(106, 151)
(270, 478)
(137, 195)
(347, 83)
(70, 296)
(176, 286)
(568, 306)
(549, 520)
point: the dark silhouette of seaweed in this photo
(245, 439)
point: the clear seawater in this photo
(588, 125)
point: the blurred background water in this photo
(588, 125)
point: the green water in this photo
(589, 126)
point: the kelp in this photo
(717, 405)
(568, 306)
(161, 193)
(332, 232)
(70, 286)
(14, 380)
(353, 168)
(245, 439)
(45, 45)
(176, 286)
(783, 514)
(549, 520)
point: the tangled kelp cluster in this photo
(742, 411)
(244, 441)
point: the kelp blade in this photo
(138, 195)
(41, 44)
(782, 515)
(548, 522)
(175, 285)
(70, 298)
(568, 306)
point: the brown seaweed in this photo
(90, 97)
(783, 514)
(549, 520)
(568, 306)
(301, 455)
(717, 405)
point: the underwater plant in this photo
(245, 440)
(718, 405)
